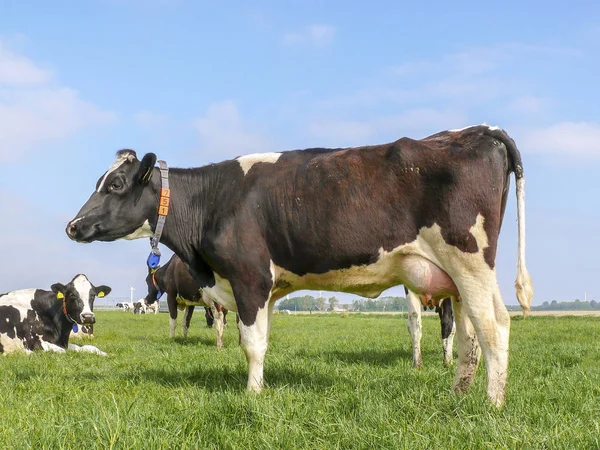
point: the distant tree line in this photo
(309, 303)
(576, 305)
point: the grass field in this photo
(332, 382)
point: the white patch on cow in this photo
(11, 345)
(173, 326)
(254, 342)
(142, 232)
(20, 299)
(83, 288)
(458, 130)
(86, 349)
(490, 127)
(114, 166)
(222, 293)
(248, 161)
(47, 346)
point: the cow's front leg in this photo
(253, 311)
(47, 346)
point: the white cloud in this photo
(18, 70)
(34, 110)
(225, 134)
(577, 139)
(316, 35)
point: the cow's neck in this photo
(195, 193)
(56, 325)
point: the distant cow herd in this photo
(245, 232)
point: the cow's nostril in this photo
(71, 229)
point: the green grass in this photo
(332, 382)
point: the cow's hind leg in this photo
(469, 352)
(415, 326)
(218, 315)
(172, 306)
(482, 302)
(448, 329)
(187, 318)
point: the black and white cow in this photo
(35, 319)
(184, 293)
(444, 310)
(139, 307)
(423, 213)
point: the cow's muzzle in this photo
(88, 318)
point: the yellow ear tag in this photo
(100, 294)
(60, 295)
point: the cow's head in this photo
(122, 204)
(154, 293)
(79, 295)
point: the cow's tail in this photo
(523, 283)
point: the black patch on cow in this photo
(9, 319)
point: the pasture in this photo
(332, 382)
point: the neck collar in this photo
(163, 210)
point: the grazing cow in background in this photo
(34, 319)
(84, 331)
(183, 292)
(139, 307)
(444, 311)
(154, 307)
(423, 213)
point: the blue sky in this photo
(202, 81)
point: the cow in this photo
(83, 331)
(154, 307)
(36, 319)
(184, 293)
(444, 310)
(139, 307)
(424, 213)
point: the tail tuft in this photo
(524, 288)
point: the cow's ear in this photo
(101, 291)
(59, 289)
(146, 166)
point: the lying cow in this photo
(84, 331)
(423, 213)
(444, 311)
(35, 319)
(183, 293)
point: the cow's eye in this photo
(115, 186)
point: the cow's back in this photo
(326, 210)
